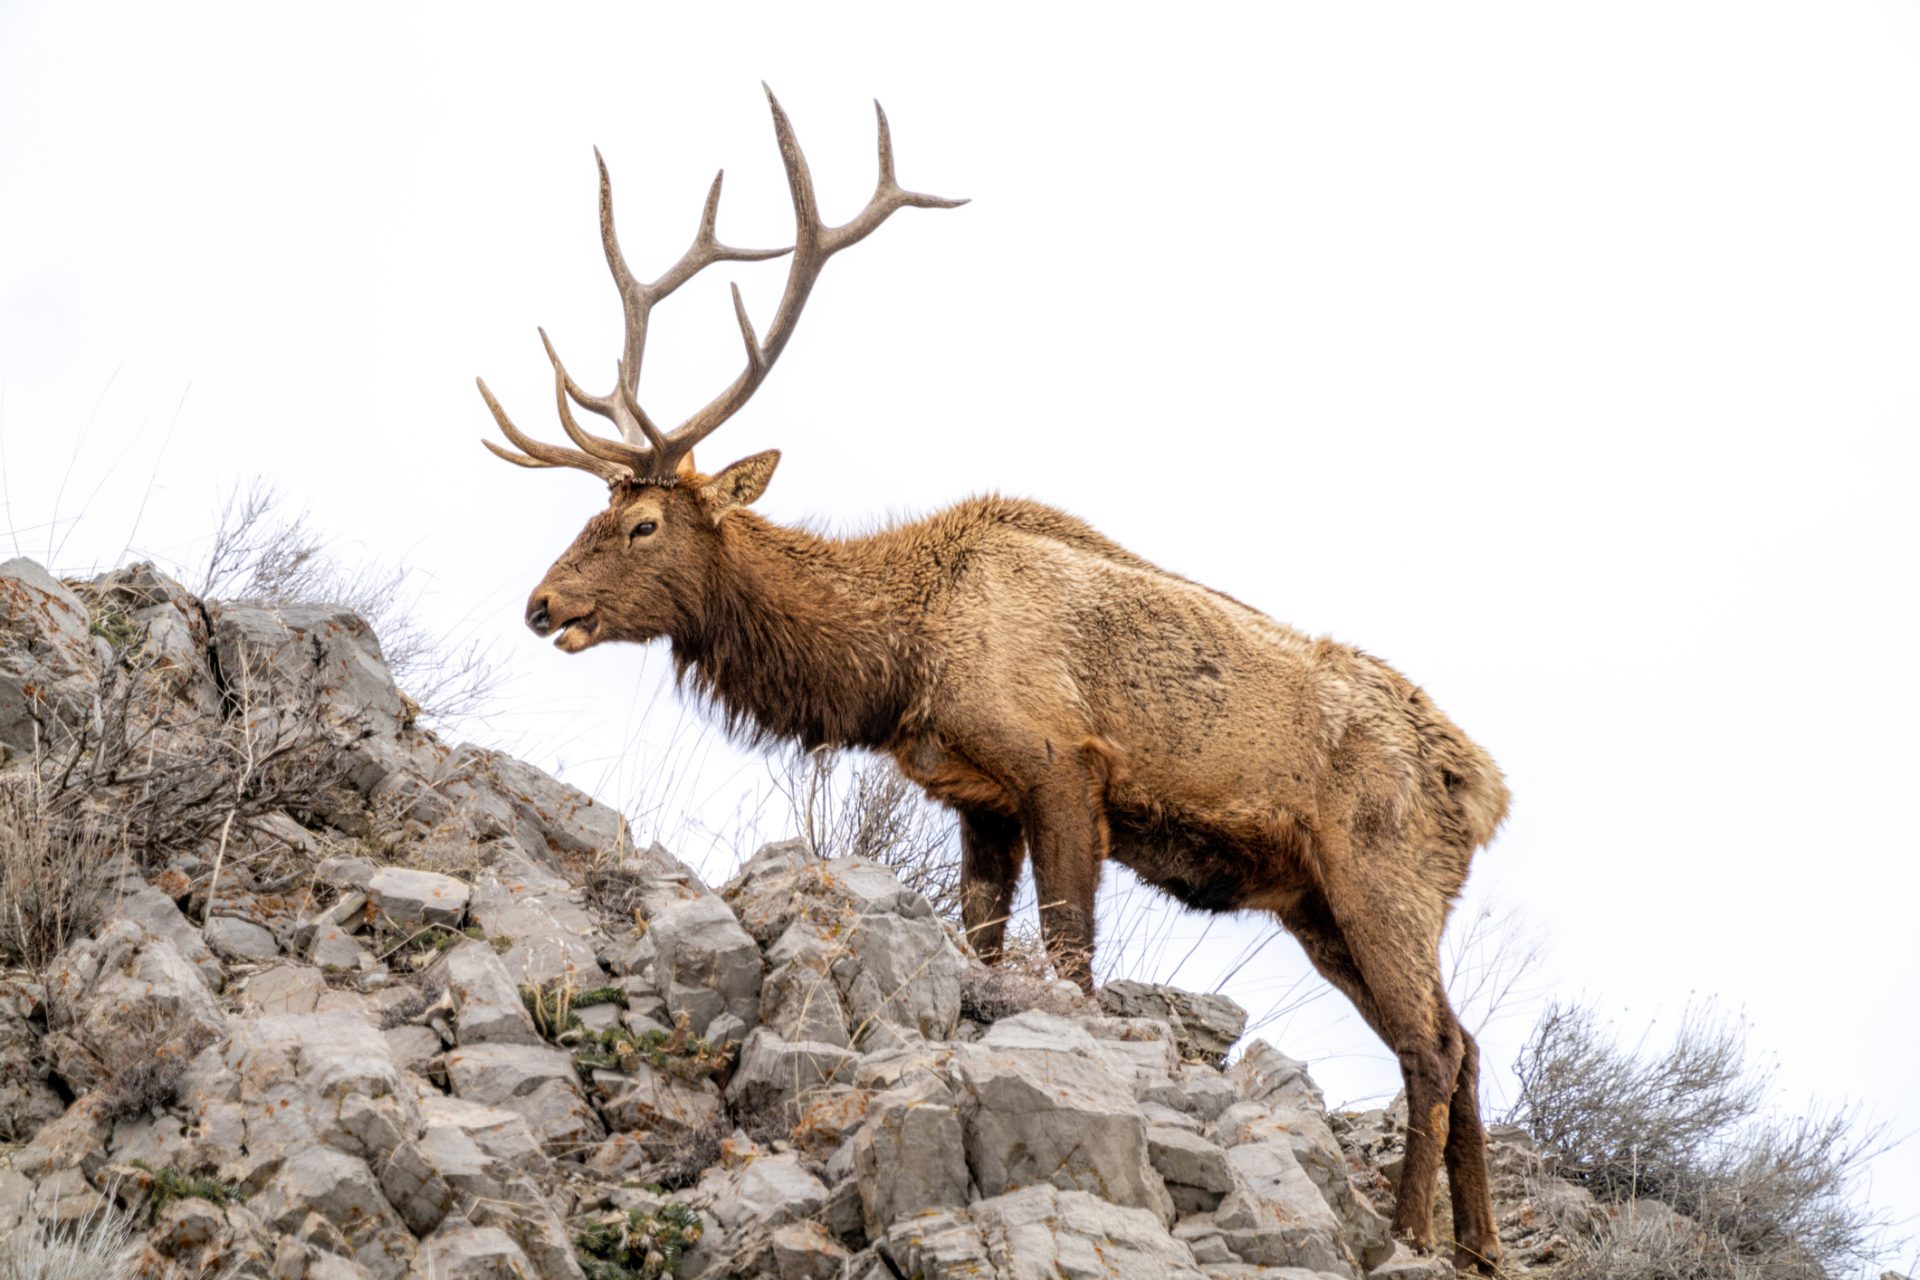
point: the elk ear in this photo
(738, 484)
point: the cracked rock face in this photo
(49, 665)
(405, 1031)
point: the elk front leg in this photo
(1066, 828)
(991, 851)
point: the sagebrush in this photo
(1688, 1128)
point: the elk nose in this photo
(537, 616)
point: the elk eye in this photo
(642, 530)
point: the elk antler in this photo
(644, 454)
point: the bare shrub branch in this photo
(257, 554)
(864, 807)
(1485, 960)
(176, 777)
(1686, 1127)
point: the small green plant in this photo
(551, 1007)
(640, 1244)
(678, 1051)
(169, 1184)
(391, 940)
(116, 628)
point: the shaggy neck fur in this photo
(793, 640)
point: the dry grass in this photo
(1022, 981)
(1687, 1128)
(48, 861)
(696, 1151)
(143, 1067)
(103, 1245)
(1487, 958)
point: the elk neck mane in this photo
(796, 638)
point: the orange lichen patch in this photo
(827, 1119)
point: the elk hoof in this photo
(1484, 1260)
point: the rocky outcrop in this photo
(402, 1028)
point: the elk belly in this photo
(1206, 868)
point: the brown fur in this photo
(1073, 702)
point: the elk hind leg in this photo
(1395, 950)
(991, 853)
(1476, 1237)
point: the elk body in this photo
(1069, 700)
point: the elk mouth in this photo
(575, 634)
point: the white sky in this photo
(1565, 356)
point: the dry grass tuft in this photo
(145, 1072)
(696, 1151)
(48, 861)
(103, 1245)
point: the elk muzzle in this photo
(537, 616)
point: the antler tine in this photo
(637, 300)
(813, 244)
(547, 455)
(888, 195)
(644, 452)
(610, 450)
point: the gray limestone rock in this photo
(910, 1155)
(1038, 1233)
(415, 1188)
(1196, 1171)
(301, 1080)
(663, 1109)
(1306, 1133)
(27, 1099)
(241, 939)
(48, 663)
(342, 1191)
(807, 1251)
(553, 938)
(1042, 1115)
(769, 1190)
(894, 964)
(1275, 1216)
(486, 1004)
(412, 898)
(279, 656)
(705, 964)
(775, 1075)
(537, 1082)
(1266, 1075)
(125, 987)
(472, 1253)
(1206, 1026)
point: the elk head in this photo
(639, 569)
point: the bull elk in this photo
(1069, 700)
